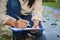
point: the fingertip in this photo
(27, 21)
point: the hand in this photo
(36, 25)
(18, 24)
(21, 23)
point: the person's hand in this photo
(18, 24)
(36, 25)
(21, 23)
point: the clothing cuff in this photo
(37, 18)
(5, 20)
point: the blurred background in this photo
(51, 19)
(52, 3)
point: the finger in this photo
(21, 22)
(25, 21)
(23, 25)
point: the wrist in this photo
(36, 21)
(10, 22)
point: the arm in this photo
(4, 19)
(37, 13)
(7, 20)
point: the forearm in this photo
(37, 12)
(10, 22)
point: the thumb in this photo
(24, 21)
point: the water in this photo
(51, 31)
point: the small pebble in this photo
(48, 19)
(53, 24)
(58, 36)
(44, 21)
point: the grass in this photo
(52, 4)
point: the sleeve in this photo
(3, 16)
(37, 12)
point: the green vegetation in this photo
(52, 4)
(50, 0)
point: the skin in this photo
(23, 24)
(18, 24)
(36, 25)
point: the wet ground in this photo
(51, 24)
